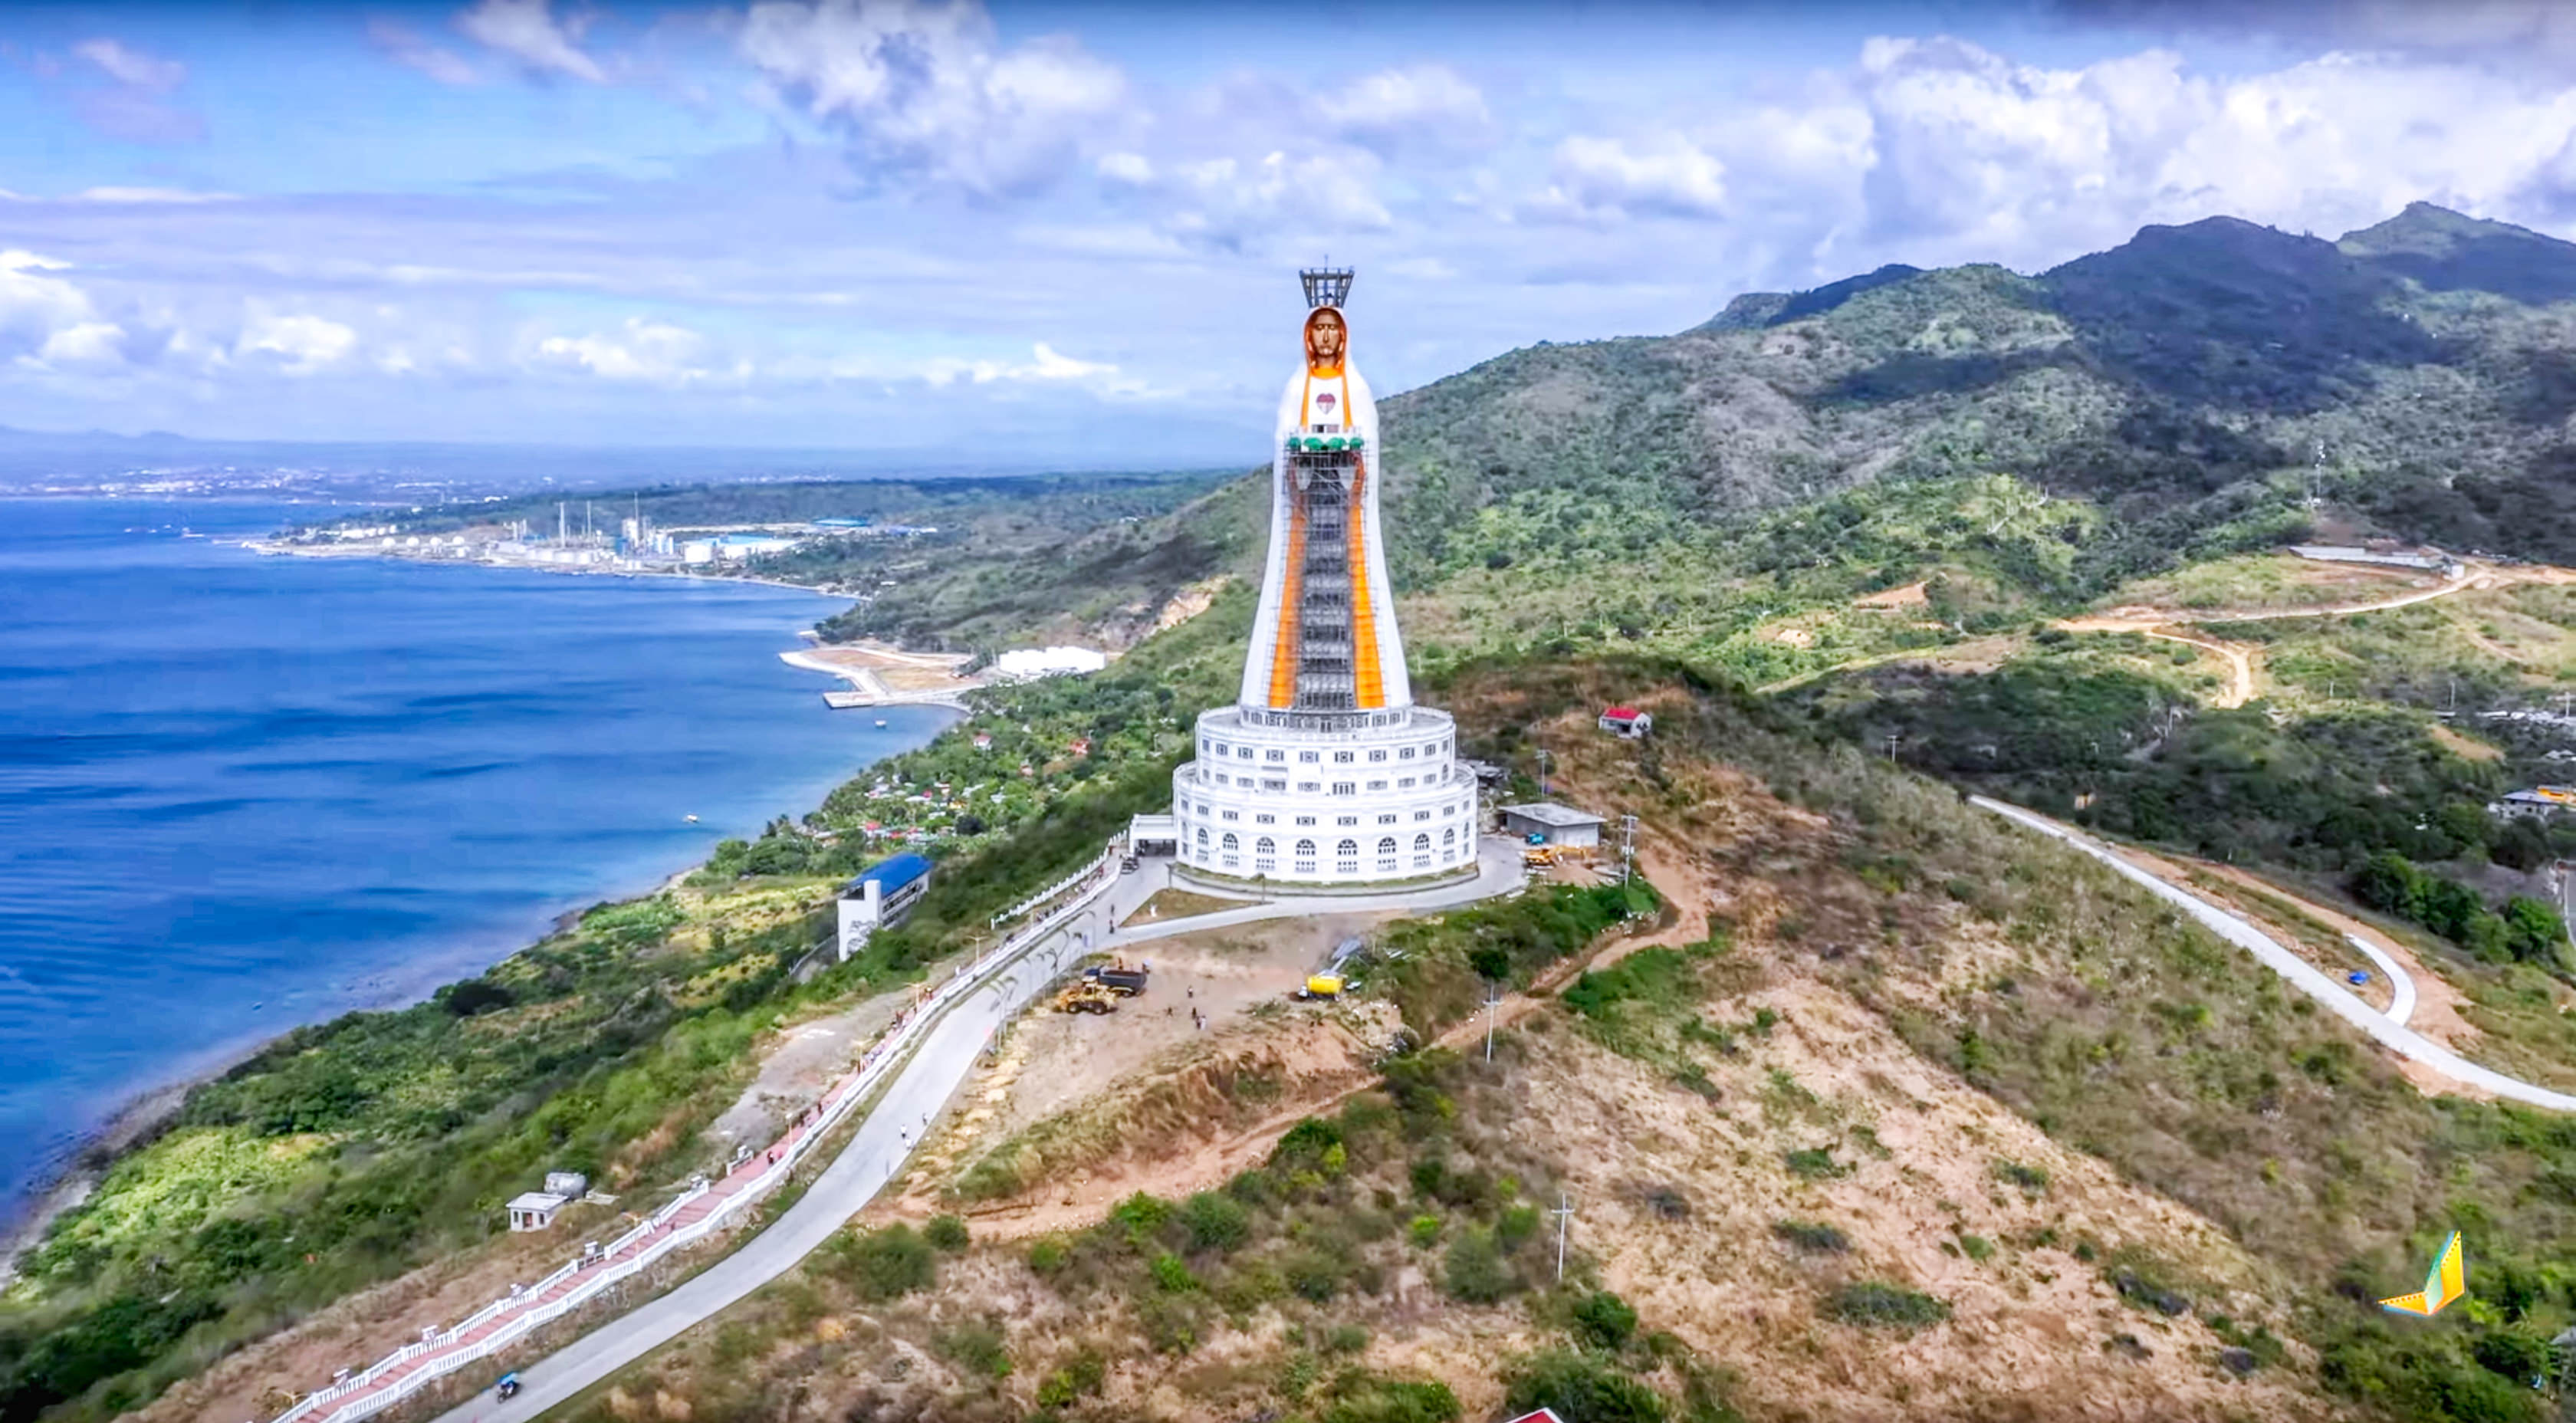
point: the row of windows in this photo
(1305, 849)
(1346, 860)
(1273, 783)
(1430, 750)
(1385, 819)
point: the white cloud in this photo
(299, 344)
(87, 343)
(147, 195)
(1238, 206)
(644, 350)
(1429, 104)
(35, 305)
(527, 31)
(1666, 174)
(925, 88)
(1130, 168)
(407, 47)
(131, 66)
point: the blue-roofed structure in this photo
(881, 894)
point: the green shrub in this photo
(1049, 1253)
(1876, 1302)
(885, 1264)
(1604, 1321)
(1078, 1377)
(1977, 1247)
(1216, 1222)
(1311, 1274)
(945, 1232)
(1812, 1236)
(1140, 1215)
(1475, 1270)
(1345, 1339)
(1172, 1273)
(1364, 1399)
(2031, 1180)
(1515, 1226)
(977, 1346)
(1815, 1163)
(1582, 1388)
(1423, 1231)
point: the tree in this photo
(2388, 882)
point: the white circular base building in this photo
(1297, 798)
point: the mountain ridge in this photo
(2433, 354)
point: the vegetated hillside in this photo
(1896, 1112)
(2434, 355)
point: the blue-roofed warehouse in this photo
(882, 894)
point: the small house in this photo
(535, 1210)
(1626, 721)
(983, 741)
(2538, 803)
(1545, 823)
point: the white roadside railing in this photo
(442, 1352)
(1059, 887)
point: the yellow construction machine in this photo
(1087, 996)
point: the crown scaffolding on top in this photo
(1325, 286)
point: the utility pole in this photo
(1542, 773)
(1892, 738)
(1627, 848)
(561, 509)
(1493, 1000)
(1564, 1211)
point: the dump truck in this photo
(1117, 977)
(1538, 856)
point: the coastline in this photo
(74, 1170)
(272, 548)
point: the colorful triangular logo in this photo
(2445, 1282)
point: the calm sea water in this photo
(238, 793)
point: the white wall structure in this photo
(1324, 772)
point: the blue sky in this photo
(1020, 230)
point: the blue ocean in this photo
(239, 793)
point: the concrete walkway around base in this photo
(887, 1136)
(2383, 1028)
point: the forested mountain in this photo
(2434, 355)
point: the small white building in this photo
(535, 1210)
(881, 895)
(1626, 721)
(2538, 803)
(1545, 823)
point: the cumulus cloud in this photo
(295, 344)
(408, 47)
(86, 343)
(47, 320)
(1668, 174)
(527, 32)
(1425, 105)
(925, 88)
(1046, 365)
(643, 350)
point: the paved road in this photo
(886, 1138)
(2385, 1030)
(2401, 984)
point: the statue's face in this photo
(1324, 338)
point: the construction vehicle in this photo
(1117, 977)
(1538, 857)
(1087, 996)
(1319, 988)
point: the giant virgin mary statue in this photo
(1325, 638)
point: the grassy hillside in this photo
(2178, 377)
(1932, 1119)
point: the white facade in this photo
(1293, 798)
